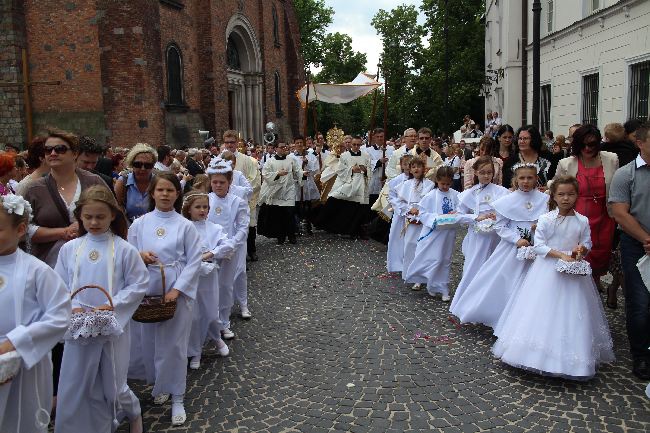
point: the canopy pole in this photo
(304, 128)
(374, 109)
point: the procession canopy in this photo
(339, 93)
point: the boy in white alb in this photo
(282, 175)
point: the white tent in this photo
(339, 93)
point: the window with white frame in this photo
(545, 110)
(590, 92)
(549, 16)
(595, 5)
(639, 102)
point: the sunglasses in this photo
(140, 164)
(592, 144)
(59, 149)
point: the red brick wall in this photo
(132, 71)
(110, 57)
(63, 45)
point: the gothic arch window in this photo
(174, 75)
(232, 55)
(277, 94)
(276, 27)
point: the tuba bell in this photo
(269, 136)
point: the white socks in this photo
(178, 410)
(195, 362)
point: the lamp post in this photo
(446, 34)
(537, 13)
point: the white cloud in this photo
(353, 18)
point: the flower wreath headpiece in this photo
(16, 204)
(219, 165)
(519, 165)
(193, 194)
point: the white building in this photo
(594, 68)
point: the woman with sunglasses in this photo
(53, 199)
(132, 190)
(594, 169)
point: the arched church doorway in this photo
(244, 70)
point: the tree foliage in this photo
(313, 19)
(417, 86)
(401, 57)
(339, 61)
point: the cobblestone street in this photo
(336, 345)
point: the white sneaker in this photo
(416, 287)
(245, 313)
(178, 414)
(446, 298)
(161, 399)
(195, 363)
(227, 334)
(222, 348)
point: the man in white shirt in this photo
(164, 158)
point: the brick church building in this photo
(153, 71)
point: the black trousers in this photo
(250, 240)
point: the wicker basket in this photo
(93, 323)
(154, 309)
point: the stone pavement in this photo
(338, 345)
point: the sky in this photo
(353, 17)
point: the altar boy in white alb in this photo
(379, 155)
(231, 213)
(347, 206)
(306, 189)
(34, 314)
(281, 176)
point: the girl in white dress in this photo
(395, 253)
(554, 323)
(435, 243)
(167, 243)
(34, 315)
(481, 239)
(215, 246)
(486, 296)
(233, 214)
(94, 369)
(408, 196)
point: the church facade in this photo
(153, 71)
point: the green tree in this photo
(313, 19)
(416, 73)
(340, 64)
(339, 61)
(402, 49)
(466, 45)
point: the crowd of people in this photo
(133, 259)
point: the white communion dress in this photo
(555, 324)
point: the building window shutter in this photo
(276, 27)
(174, 76)
(278, 95)
(545, 111)
(640, 91)
(590, 99)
